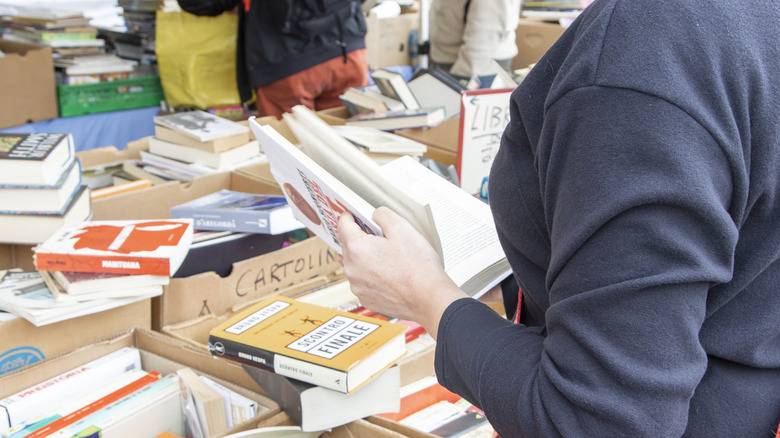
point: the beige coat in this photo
(468, 40)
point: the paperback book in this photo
(317, 408)
(394, 85)
(217, 160)
(334, 349)
(201, 125)
(329, 176)
(217, 145)
(401, 119)
(154, 247)
(239, 211)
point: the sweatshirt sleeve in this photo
(635, 195)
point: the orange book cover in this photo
(116, 189)
(154, 247)
(316, 344)
(421, 398)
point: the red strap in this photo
(246, 5)
(516, 319)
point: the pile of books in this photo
(114, 395)
(192, 143)
(426, 99)
(231, 226)
(87, 267)
(325, 367)
(390, 104)
(40, 187)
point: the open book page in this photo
(472, 254)
(359, 172)
(318, 199)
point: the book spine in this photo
(78, 414)
(238, 221)
(18, 407)
(280, 364)
(96, 263)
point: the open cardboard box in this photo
(23, 344)
(165, 354)
(158, 353)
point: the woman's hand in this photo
(399, 274)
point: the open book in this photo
(330, 176)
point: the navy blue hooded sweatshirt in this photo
(637, 196)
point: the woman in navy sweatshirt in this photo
(637, 197)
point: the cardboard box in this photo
(533, 38)
(27, 87)
(23, 344)
(158, 353)
(387, 39)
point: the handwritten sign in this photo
(484, 113)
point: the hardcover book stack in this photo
(40, 187)
(192, 143)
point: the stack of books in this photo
(67, 32)
(397, 108)
(40, 187)
(192, 143)
(87, 267)
(231, 226)
(46, 297)
(325, 367)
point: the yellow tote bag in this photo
(196, 57)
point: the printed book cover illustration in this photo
(316, 344)
(239, 211)
(201, 125)
(155, 247)
(318, 198)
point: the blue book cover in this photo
(228, 210)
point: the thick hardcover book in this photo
(239, 211)
(401, 119)
(200, 125)
(34, 159)
(43, 199)
(318, 345)
(34, 228)
(155, 247)
(24, 405)
(330, 176)
(394, 85)
(314, 407)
